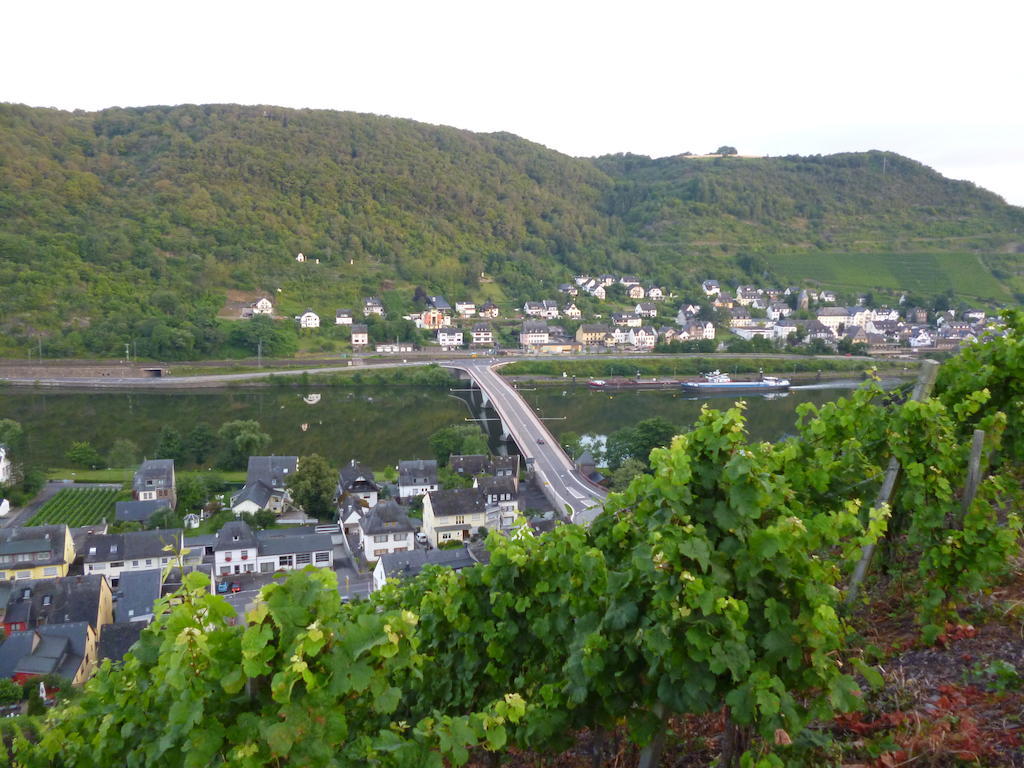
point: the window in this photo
(24, 574)
(117, 565)
(249, 567)
(380, 539)
(98, 567)
(135, 563)
(47, 600)
(266, 567)
(398, 536)
(3, 574)
(323, 557)
(24, 557)
(163, 561)
(225, 569)
(460, 519)
(285, 561)
(51, 571)
(445, 536)
(302, 558)
(6, 559)
(149, 562)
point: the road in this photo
(555, 471)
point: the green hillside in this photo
(135, 224)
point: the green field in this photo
(77, 507)
(925, 274)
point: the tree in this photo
(459, 439)
(82, 454)
(123, 453)
(11, 433)
(570, 442)
(260, 520)
(242, 439)
(725, 149)
(165, 518)
(623, 476)
(169, 445)
(638, 441)
(200, 443)
(10, 692)
(312, 487)
(192, 493)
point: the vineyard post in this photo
(973, 473)
(923, 388)
(651, 754)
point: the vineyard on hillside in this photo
(739, 582)
(76, 507)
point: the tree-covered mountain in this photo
(135, 223)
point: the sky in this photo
(940, 82)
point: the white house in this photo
(309, 319)
(239, 550)
(645, 309)
(834, 317)
(534, 333)
(654, 293)
(6, 468)
(482, 334)
(405, 565)
(262, 307)
(711, 288)
(386, 528)
(109, 554)
(360, 335)
(449, 338)
(778, 310)
(643, 338)
(416, 477)
(373, 306)
(465, 308)
(266, 485)
(343, 317)
(922, 338)
(635, 292)
(572, 311)
(599, 292)
(501, 500)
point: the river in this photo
(377, 426)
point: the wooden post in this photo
(923, 388)
(973, 471)
(650, 756)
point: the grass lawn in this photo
(125, 475)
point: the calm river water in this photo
(378, 426)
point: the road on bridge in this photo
(554, 469)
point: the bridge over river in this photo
(561, 482)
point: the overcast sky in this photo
(938, 81)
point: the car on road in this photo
(421, 538)
(222, 588)
(540, 441)
(235, 587)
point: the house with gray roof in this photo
(154, 479)
(136, 594)
(113, 553)
(70, 600)
(357, 481)
(453, 515)
(266, 485)
(239, 550)
(118, 639)
(41, 551)
(67, 650)
(387, 528)
(501, 501)
(138, 511)
(406, 565)
(416, 477)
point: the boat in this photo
(716, 381)
(597, 384)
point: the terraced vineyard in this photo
(77, 507)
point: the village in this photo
(71, 597)
(610, 313)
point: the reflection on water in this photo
(378, 426)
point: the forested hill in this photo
(136, 222)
